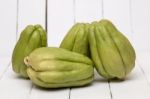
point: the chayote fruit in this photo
(56, 67)
(76, 39)
(111, 52)
(32, 37)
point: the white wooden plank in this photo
(60, 20)
(41, 93)
(143, 59)
(8, 26)
(99, 89)
(141, 23)
(88, 10)
(31, 12)
(14, 87)
(118, 11)
(134, 87)
(5, 61)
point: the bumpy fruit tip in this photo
(26, 61)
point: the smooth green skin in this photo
(32, 37)
(111, 51)
(56, 67)
(76, 39)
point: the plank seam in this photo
(109, 83)
(143, 72)
(17, 19)
(132, 33)
(70, 93)
(5, 70)
(30, 91)
(46, 29)
(110, 91)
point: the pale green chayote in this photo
(52, 67)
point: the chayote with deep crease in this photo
(111, 52)
(31, 37)
(56, 67)
(76, 39)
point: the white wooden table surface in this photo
(132, 17)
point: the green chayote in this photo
(76, 39)
(32, 37)
(111, 52)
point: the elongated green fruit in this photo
(111, 51)
(76, 39)
(56, 67)
(32, 37)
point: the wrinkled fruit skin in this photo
(56, 67)
(76, 39)
(32, 37)
(111, 51)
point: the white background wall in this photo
(132, 17)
